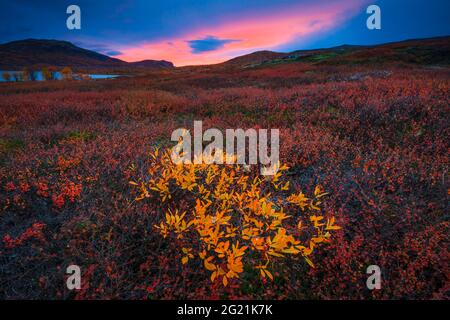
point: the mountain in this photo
(431, 51)
(33, 52)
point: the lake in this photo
(57, 75)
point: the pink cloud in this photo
(263, 32)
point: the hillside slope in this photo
(432, 51)
(32, 52)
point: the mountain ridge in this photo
(61, 53)
(435, 50)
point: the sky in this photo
(193, 32)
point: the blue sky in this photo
(196, 32)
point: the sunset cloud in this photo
(262, 31)
(201, 32)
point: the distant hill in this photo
(431, 51)
(434, 51)
(255, 57)
(33, 52)
(151, 64)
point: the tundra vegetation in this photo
(85, 180)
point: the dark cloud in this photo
(209, 43)
(113, 53)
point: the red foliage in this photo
(35, 231)
(375, 139)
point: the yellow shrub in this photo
(225, 213)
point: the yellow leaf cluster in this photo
(229, 216)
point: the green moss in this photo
(81, 135)
(320, 57)
(10, 145)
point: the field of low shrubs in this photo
(365, 155)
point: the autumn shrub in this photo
(229, 217)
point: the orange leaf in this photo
(225, 281)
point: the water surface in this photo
(16, 76)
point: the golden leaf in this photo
(209, 266)
(225, 281)
(309, 262)
(268, 274)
